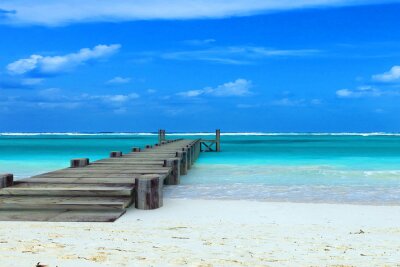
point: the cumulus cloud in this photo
(392, 75)
(53, 13)
(240, 87)
(38, 65)
(119, 80)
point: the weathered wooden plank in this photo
(86, 180)
(76, 203)
(37, 189)
(61, 215)
(98, 175)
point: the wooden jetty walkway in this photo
(102, 190)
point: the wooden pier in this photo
(102, 190)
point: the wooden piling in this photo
(136, 149)
(189, 157)
(6, 180)
(218, 140)
(174, 177)
(183, 156)
(79, 163)
(115, 154)
(149, 193)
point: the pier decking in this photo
(99, 191)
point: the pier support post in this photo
(79, 163)
(192, 151)
(174, 177)
(183, 156)
(149, 146)
(6, 180)
(115, 154)
(149, 193)
(189, 157)
(136, 149)
(218, 140)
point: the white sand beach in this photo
(214, 233)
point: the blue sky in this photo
(275, 66)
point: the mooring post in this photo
(115, 154)
(174, 177)
(149, 146)
(79, 163)
(183, 156)
(149, 193)
(218, 140)
(6, 180)
(136, 149)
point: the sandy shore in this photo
(214, 233)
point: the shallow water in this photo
(300, 168)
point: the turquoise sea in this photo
(331, 168)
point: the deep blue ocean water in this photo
(294, 167)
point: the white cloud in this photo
(52, 13)
(288, 102)
(114, 99)
(119, 80)
(236, 55)
(51, 65)
(151, 91)
(363, 91)
(200, 42)
(296, 102)
(240, 87)
(391, 76)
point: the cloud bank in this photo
(53, 13)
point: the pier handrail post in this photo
(6, 180)
(218, 140)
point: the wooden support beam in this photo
(174, 177)
(149, 193)
(79, 163)
(115, 154)
(6, 180)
